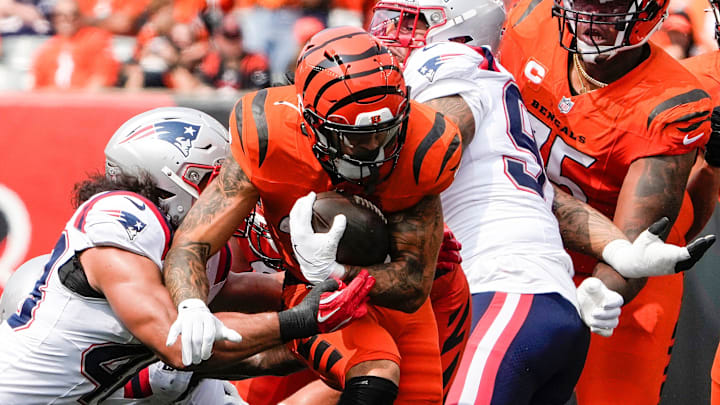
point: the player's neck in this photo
(607, 70)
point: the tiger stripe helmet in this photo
(355, 102)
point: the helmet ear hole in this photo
(309, 117)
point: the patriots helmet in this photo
(416, 23)
(180, 148)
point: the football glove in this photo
(328, 307)
(315, 252)
(649, 256)
(166, 383)
(449, 256)
(599, 306)
(199, 329)
(232, 396)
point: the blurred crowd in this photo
(183, 45)
(210, 45)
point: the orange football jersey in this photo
(275, 152)
(588, 141)
(706, 68)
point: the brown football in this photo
(366, 240)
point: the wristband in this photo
(293, 325)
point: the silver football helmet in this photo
(180, 148)
(416, 23)
(20, 285)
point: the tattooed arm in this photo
(653, 188)
(208, 225)
(415, 236)
(583, 228)
(457, 110)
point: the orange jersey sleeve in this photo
(705, 67)
(428, 161)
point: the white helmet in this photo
(180, 148)
(472, 22)
(20, 285)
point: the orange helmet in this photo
(355, 102)
(633, 22)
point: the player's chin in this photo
(398, 52)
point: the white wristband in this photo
(618, 254)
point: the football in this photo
(366, 240)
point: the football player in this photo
(501, 190)
(705, 177)
(449, 297)
(619, 124)
(346, 124)
(99, 312)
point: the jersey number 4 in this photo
(527, 175)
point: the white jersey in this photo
(64, 344)
(500, 204)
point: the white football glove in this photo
(599, 306)
(200, 329)
(232, 396)
(167, 384)
(650, 256)
(315, 252)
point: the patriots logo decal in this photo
(180, 134)
(429, 68)
(133, 225)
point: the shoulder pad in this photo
(127, 221)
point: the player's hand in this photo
(315, 252)
(328, 307)
(200, 329)
(449, 256)
(345, 304)
(232, 396)
(650, 256)
(599, 306)
(166, 383)
(712, 149)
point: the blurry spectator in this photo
(268, 28)
(350, 12)
(77, 56)
(24, 17)
(121, 17)
(167, 51)
(703, 38)
(304, 28)
(675, 36)
(228, 65)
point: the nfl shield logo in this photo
(565, 105)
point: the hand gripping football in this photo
(366, 240)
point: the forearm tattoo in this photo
(184, 267)
(456, 110)
(184, 273)
(416, 235)
(659, 191)
(583, 228)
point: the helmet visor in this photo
(399, 26)
(366, 144)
